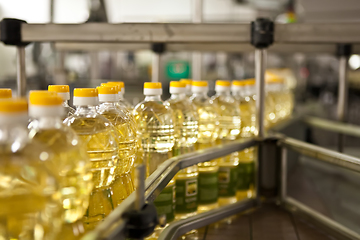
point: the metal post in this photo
(197, 17)
(155, 69)
(21, 71)
(283, 193)
(94, 64)
(260, 67)
(140, 187)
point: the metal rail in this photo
(113, 225)
(333, 126)
(178, 228)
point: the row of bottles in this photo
(78, 164)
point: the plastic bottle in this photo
(122, 186)
(99, 136)
(30, 207)
(70, 160)
(230, 126)
(208, 133)
(64, 92)
(5, 93)
(188, 83)
(122, 100)
(186, 125)
(155, 123)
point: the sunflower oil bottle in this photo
(99, 137)
(70, 160)
(230, 126)
(5, 93)
(188, 83)
(207, 135)
(186, 129)
(64, 92)
(155, 123)
(122, 185)
(30, 206)
(242, 92)
(122, 100)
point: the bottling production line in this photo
(278, 149)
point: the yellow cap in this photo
(13, 105)
(5, 93)
(85, 92)
(224, 83)
(59, 88)
(107, 89)
(153, 85)
(177, 84)
(119, 83)
(116, 86)
(200, 83)
(186, 81)
(44, 98)
(250, 81)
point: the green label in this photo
(245, 175)
(165, 204)
(208, 187)
(186, 195)
(177, 69)
(227, 181)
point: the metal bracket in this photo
(262, 33)
(158, 48)
(10, 29)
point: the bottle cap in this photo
(222, 86)
(120, 84)
(188, 83)
(238, 85)
(107, 93)
(177, 87)
(152, 88)
(13, 111)
(5, 93)
(85, 97)
(45, 104)
(62, 90)
(199, 86)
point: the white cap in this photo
(85, 97)
(62, 90)
(14, 112)
(152, 88)
(199, 86)
(45, 104)
(177, 87)
(108, 93)
(36, 111)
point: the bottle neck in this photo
(85, 110)
(178, 96)
(152, 98)
(48, 122)
(65, 103)
(223, 93)
(200, 94)
(108, 104)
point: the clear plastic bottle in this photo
(99, 136)
(30, 206)
(122, 186)
(242, 91)
(186, 128)
(208, 133)
(155, 123)
(230, 126)
(64, 92)
(70, 160)
(122, 100)
(5, 93)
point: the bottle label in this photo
(245, 175)
(208, 187)
(165, 204)
(227, 181)
(186, 195)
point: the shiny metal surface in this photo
(260, 67)
(155, 67)
(338, 127)
(21, 71)
(140, 186)
(178, 228)
(196, 62)
(323, 154)
(342, 97)
(319, 220)
(283, 172)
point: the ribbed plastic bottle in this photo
(99, 136)
(230, 126)
(242, 92)
(70, 160)
(64, 92)
(207, 135)
(186, 128)
(155, 122)
(30, 207)
(122, 185)
(5, 93)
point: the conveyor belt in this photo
(269, 222)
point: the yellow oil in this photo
(30, 205)
(248, 117)
(99, 137)
(207, 135)
(71, 163)
(245, 187)
(156, 130)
